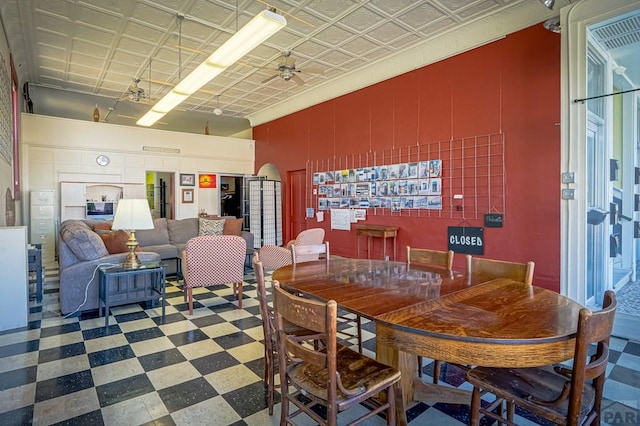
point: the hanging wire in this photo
(180, 18)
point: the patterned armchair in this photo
(213, 259)
(274, 257)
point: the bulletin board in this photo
(461, 178)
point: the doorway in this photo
(298, 202)
(601, 250)
(160, 194)
(231, 196)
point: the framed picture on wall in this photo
(187, 179)
(187, 196)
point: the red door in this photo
(297, 203)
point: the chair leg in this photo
(269, 381)
(475, 407)
(391, 399)
(239, 294)
(511, 408)
(284, 405)
(401, 415)
(359, 326)
(419, 366)
(436, 371)
(190, 296)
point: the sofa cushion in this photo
(211, 226)
(180, 231)
(83, 242)
(152, 237)
(232, 227)
(166, 251)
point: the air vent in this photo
(619, 33)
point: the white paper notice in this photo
(341, 219)
(320, 216)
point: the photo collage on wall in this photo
(416, 185)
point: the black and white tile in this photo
(199, 369)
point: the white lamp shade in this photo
(132, 215)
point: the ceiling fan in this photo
(287, 70)
(134, 92)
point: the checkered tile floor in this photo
(200, 369)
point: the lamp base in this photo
(132, 261)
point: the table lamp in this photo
(132, 215)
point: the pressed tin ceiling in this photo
(77, 54)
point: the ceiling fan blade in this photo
(318, 71)
(269, 79)
(297, 79)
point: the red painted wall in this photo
(510, 86)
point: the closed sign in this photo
(466, 239)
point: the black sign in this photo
(493, 220)
(466, 239)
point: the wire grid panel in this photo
(471, 178)
(265, 203)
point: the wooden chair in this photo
(269, 330)
(335, 376)
(437, 258)
(274, 257)
(500, 269)
(300, 253)
(309, 252)
(213, 259)
(564, 395)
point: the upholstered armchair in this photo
(213, 259)
(274, 257)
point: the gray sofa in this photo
(81, 250)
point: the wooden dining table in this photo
(444, 315)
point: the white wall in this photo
(57, 149)
(6, 169)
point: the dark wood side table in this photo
(377, 231)
(122, 286)
(35, 268)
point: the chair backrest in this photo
(500, 269)
(214, 259)
(319, 318)
(593, 328)
(274, 257)
(263, 299)
(266, 312)
(310, 236)
(430, 257)
(308, 252)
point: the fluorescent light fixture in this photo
(169, 102)
(254, 33)
(149, 118)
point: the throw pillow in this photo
(211, 226)
(106, 226)
(115, 242)
(232, 226)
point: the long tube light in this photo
(254, 33)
